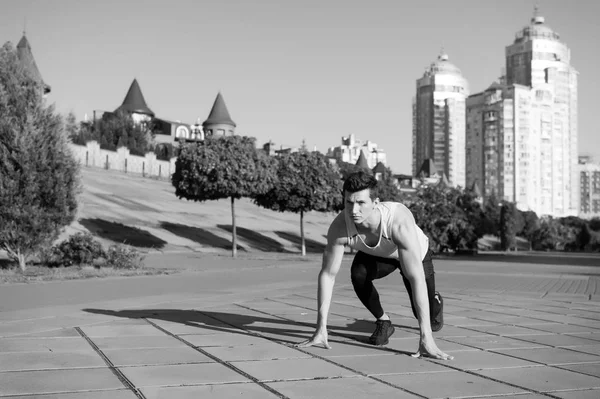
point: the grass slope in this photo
(122, 208)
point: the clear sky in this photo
(290, 70)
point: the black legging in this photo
(366, 268)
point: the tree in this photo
(530, 225)
(437, 210)
(306, 181)
(39, 176)
(114, 130)
(508, 226)
(223, 167)
(491, 211)
(387, 190)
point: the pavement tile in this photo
(274, 370)
(586, 394)
(339, 388)
(543, 379)
(223, 339)
(155, 356)
(181, 374)
(450, 384)
(178, 328)
(57, 333)
(386, 364)
(476, 360)
(450, 331)
(121, 330)
(348, 348)
(557, 339)
(593, 335)
(410, 345)
(591, 349)
(549, 356)
(44, 345)
(227, 391)
(262, 351)
(560, 328)
(111, 394)
(505, 330)
(492, 342)
(16, 361)
(468, 322)
(41, 325)
(134, 342)
(56, 381)
(584, 368)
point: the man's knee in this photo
(358, 274)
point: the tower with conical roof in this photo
(26, 58)
(362, 161)
(219, 123)
(439, 120)
(135, 104)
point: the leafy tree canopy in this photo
(39, 176)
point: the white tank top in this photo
(385, 248)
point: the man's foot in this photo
(437, 322)
(383, 331)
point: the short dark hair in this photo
(359, 181)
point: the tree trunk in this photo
(302, 243)
(22, 261)
(233, 229)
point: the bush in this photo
(122, 257)
(79, 249)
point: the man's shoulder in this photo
(337, 230)
(338, 223)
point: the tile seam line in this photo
(528, 390)
(41, 395)
(365, 375)
(115, 370)
(219, 361)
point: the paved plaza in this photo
(225, 328)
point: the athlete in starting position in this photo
(386, 238)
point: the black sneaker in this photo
(437, 321)
(383, 331)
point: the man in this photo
(387, 238)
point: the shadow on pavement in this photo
(312, 246)
(574, 259)
(231, 322)
(201, 236)
(122, 234)
(256, 240)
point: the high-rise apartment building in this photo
(522, 130)
(439, 120)
(589, 174)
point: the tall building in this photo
(439, 120)
(589, 173)
(351, 149)
(522, 131)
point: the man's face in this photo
(359, 205)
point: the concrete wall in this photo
(92, 155)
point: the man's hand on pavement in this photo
(428, 348)
(318, 339)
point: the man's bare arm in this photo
(409, 250)
(332, 260)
